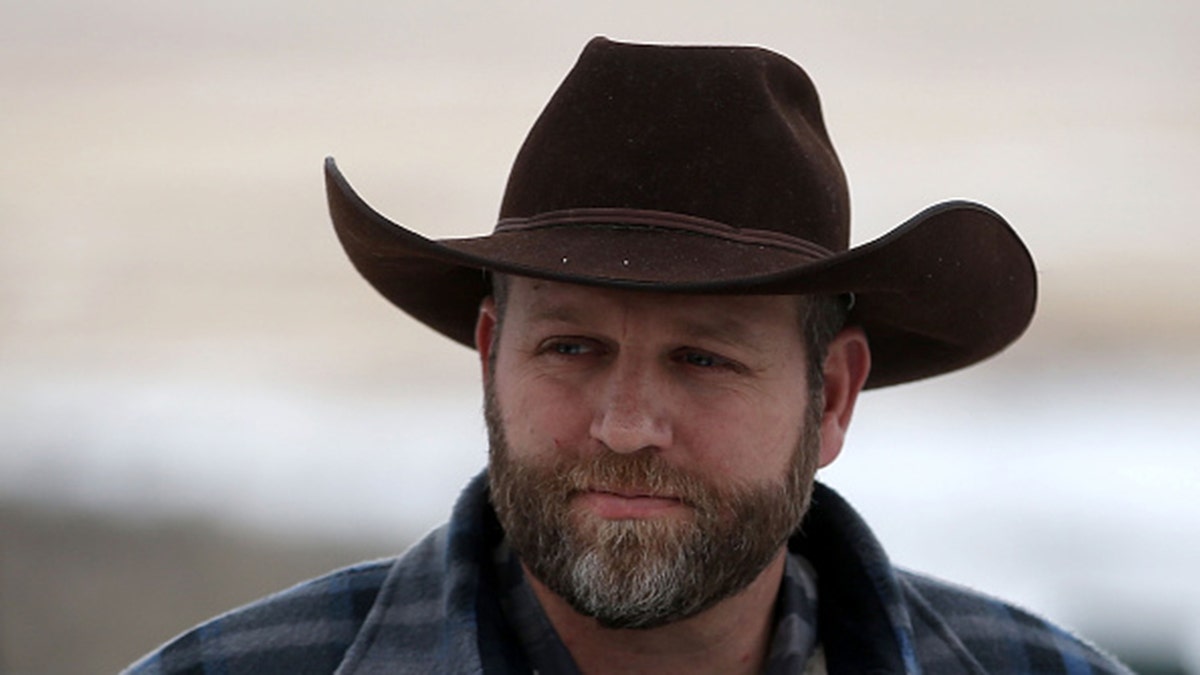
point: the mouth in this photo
(632, 493)
(628, 504)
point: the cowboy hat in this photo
(707, 170)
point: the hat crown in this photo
(707, 170)
(726, 134)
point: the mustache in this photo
(643, 473)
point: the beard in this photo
(644, 573)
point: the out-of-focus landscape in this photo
(200, 402)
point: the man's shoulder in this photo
(304, 629)
(953, 622)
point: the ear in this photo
(485, 333)
(846, 367)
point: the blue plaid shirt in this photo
(438, 609)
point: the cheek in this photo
(752, 439)
(541, 417)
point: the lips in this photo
(634, 494)
(626, 504)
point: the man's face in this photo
(650, 453)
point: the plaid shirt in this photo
(438, 609)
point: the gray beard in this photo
(644, 573)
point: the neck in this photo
(732, 636)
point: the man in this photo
(673, 333)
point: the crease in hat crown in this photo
(732, 135)
(710, 170)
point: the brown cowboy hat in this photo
(707, 170)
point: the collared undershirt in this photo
(793, 639)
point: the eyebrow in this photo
(556, 312)
(722, 329)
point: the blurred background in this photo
(200, 401)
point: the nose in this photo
(632, 410)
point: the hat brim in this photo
(949, 287)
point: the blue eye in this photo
(701, 360)
(707, 361)
(568, 348)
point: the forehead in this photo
(740, 317)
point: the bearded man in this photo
(673, 332)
